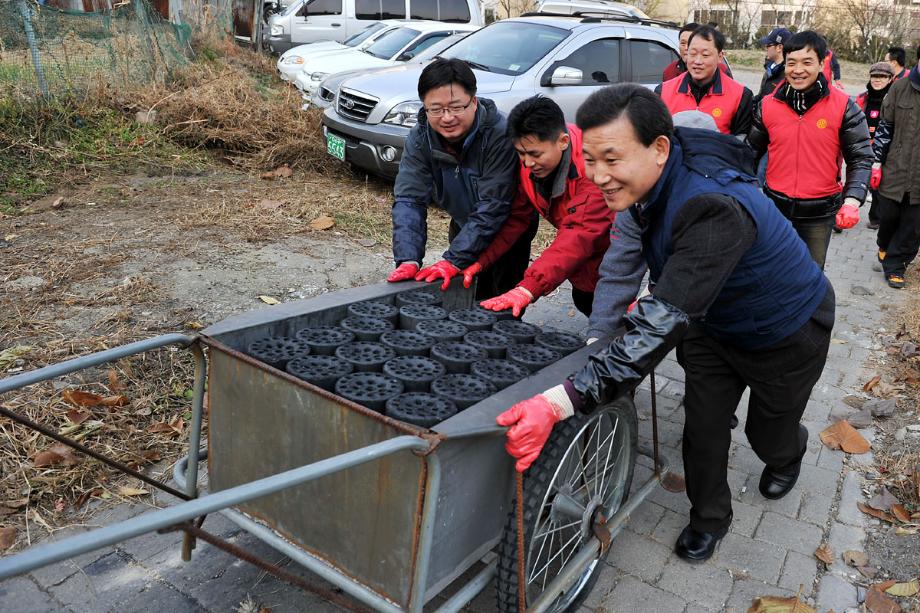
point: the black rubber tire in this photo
(537, 480)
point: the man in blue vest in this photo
(734, 289)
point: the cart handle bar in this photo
(94, 359)
(42, 555)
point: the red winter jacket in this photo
(677, 68)
(582, 221)
(721, 101)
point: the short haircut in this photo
(687, 27)
(536, 116)
(711, 34)
(808, 39)
(443, 71)
(898, 55)
(643, 108)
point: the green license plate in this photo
(335, 146)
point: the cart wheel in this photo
(584, 470)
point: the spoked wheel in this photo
(582, 476)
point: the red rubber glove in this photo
(469, 273)
(531, 421)
(439, 270)
(875, 179)
(404, 272)
(847, 216)
(516, 300)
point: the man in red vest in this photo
(806, 126)
(679, 66)
(704, 87)
(831, 70)
(553, 184)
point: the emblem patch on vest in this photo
(821, 123)
(717, 112)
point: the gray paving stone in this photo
(646, 517)
(674, 501)
(744, 591)
(760, 560)
(704, 584)
(152, 545)
(22, 595)
(841, 538)
(632, 595)
(788, 505)
(159, 598)
(799, 570)
(831, 459)
(607, 579)
(816, 507)
(56, 573)
(850, 494)
(746, 518)
(695, 608)
(107, 580)
(668, 529)
(789, 533)
(638, 555)
(835, 593)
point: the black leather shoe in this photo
(776, 482)
(695, 546)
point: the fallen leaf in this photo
(874, 512)
(43, 459)
(115, 401)
(902, 531)
(17, 504)
(82, 399)
(838, 341)
(909, 350)
(323, 222)
(824, 554)
(282, 172)
(877, 602)
(884, 390)
(900, 512)
(115, 385)
(58, 202)
(194, 325)
(271, 205)
(908, 588)
(78, 417)
(7, 538)
(884, 585)
(269, 300)
(9, 356)
(867, 571)
(132, 491)
(842, 435)
(872, 383)
(778, 604)
(855, 558)
(883, 500)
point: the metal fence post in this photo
(33, 46)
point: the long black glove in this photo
(654, 327)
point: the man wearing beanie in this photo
(870, 101)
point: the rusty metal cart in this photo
(391, 513)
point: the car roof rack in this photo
(599, 16)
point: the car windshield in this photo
(389, 43)
(507, 47)
(356, 39)
(434, 50)
(292, 8)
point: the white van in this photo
(308, 21)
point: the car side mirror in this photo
(405, 57)
(566, 75)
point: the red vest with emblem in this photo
(805, 155)
(721, 101)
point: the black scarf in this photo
(877, 94)
(698, 90)
(801, 101)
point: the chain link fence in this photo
(52, 51)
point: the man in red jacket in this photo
(705, 88)
(553, 184)
(808, 126)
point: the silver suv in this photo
(564, 58)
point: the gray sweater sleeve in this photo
(621, 275)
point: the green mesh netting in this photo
(47, 50)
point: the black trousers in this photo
(509, 269)
(874, 207)
(816, 234)
(583, 301)
(898, 233)
(781, 378)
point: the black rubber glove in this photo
(653, 328)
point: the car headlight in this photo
(404, 114)
(292, 59)
(318, 76)
(277, 30)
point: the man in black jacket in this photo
(734, 290)
(806, 127)
(774, 67)
(459, 158)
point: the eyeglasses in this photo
(453, 109)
